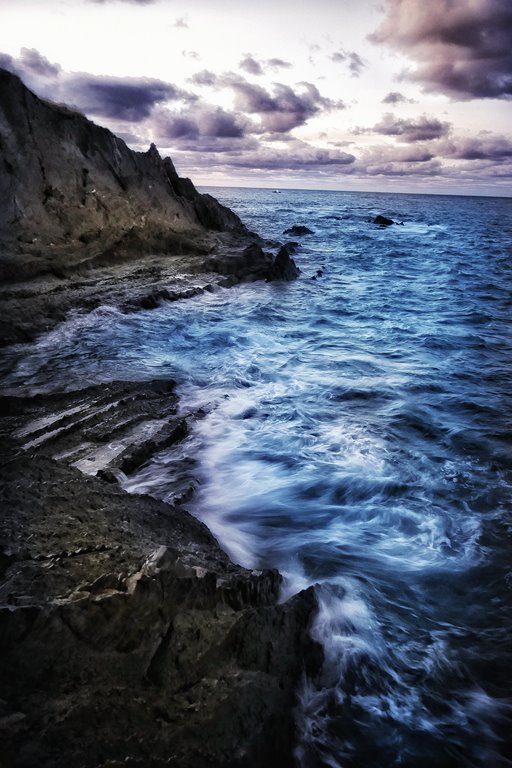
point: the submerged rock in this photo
(382, 221)
(298, 230)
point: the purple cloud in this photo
(130, 99)
(205, 77)
(395, 97)
(282, 110)
(199, 121)
(422, 128)
(250, 65)
(253, 66)
(462, 49)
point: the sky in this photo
(380, 95)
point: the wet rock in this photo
(383, 221)
(149, 619)
(298, 230)
(284, 267)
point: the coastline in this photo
(128, 636)
(129, 633)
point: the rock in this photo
(382, 221)
(284, 267)
(298, 230)
(84, 194)
(154, 622)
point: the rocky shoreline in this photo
(127, 635)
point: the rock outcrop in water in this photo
(382, 221)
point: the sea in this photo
(356, 435)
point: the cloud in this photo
(295, 156)
(33, 61)
(278, 64)
(199, 121)
(130, 98)
(353, 60)
(496, 149)
(301, 156)
(283, 109)
(180, 23)
(462, 49)
(422, 128)
(395, 97)
(250, 65)
(205, 77)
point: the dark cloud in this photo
(462, 48)
(422, 128)
(128, 98)
(37, 64)
(250, 65)
(30, 65)
(282, 110)
(353, 60)
(9, 63)
(496, 149)
(395, 97)
(199, 121)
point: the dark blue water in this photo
(358, 436)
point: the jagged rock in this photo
(284, 267)
(383, 221)
(298, 230)
(146, 645)
(72, 190)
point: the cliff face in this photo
(70, 189)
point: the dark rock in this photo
(80, 192)
(298, 230)
(126, 604)
(284, 267)
(382, 221)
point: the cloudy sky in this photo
(404, 95)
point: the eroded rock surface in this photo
(127, 636)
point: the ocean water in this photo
(357, 435)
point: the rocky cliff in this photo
(70, 191)
(85, 220)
